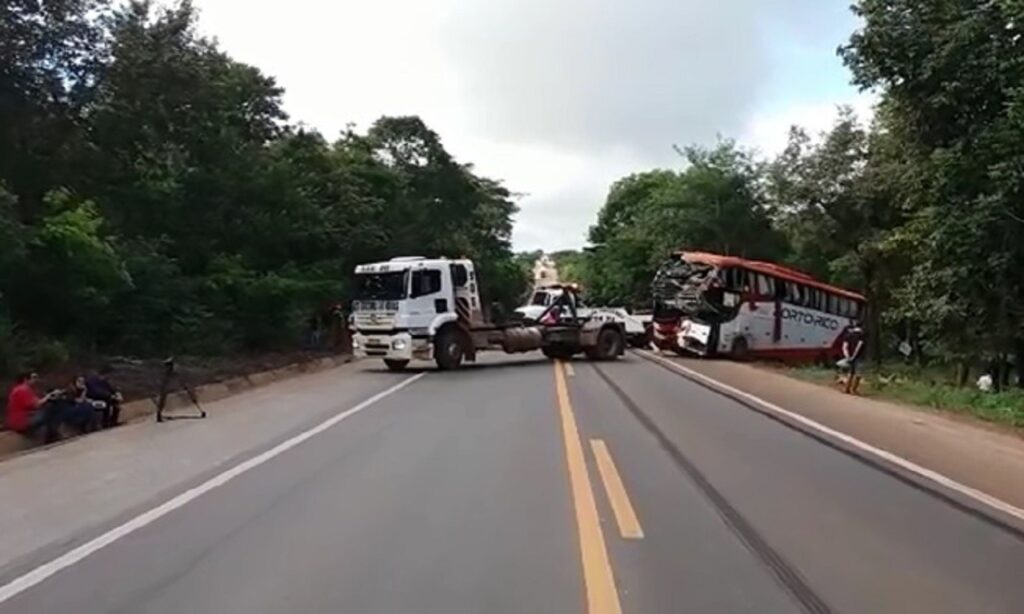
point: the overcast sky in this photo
(558, 98)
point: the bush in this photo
(8, 360)
(46, 354)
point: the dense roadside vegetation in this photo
(922, 209)
(155, 198)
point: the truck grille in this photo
(373, 320)
(372, 305)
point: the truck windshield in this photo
(391, 286)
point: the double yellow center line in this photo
(625, 516)
(598, 577)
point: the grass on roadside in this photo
(930, 389)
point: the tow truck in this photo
(415, 308)
(637, 327)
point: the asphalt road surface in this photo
(518, 485)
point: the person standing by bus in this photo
(853, 349)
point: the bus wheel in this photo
(396, 365)
(448, 352)
(740, 349)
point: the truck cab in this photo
(402, 305)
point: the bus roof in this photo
(767, 268)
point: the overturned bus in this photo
(712, 305)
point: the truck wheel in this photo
(740, 350)
(448, 352)
(609, 345)
(396, 365)
(557, 352)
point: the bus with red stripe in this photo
(712, 305)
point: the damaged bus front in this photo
(690, 297)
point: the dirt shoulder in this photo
(984, 457)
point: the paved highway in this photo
(524, 486)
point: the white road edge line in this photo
(44, 571)
(569, 370)
(885, 455)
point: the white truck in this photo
(415, 308)
(635, 326)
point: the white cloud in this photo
(558, 98)
(769, 132)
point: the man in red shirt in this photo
(24, 409)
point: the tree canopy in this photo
(155, 197)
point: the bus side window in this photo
(765, 286)
(730, 277)
(792, 293)
(833, 307)
(845, 307)
(746, 281)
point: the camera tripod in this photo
(165, 385)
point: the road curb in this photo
(13, 444)
(965, 498)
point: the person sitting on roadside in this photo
(98, 388)
(75, 409)
(27, 413)
(853, 348)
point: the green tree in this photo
(571, 265)
(717, 203)
(70, 273)
(51, 54)
(951, 78)
(180, 131)
(834, 202)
